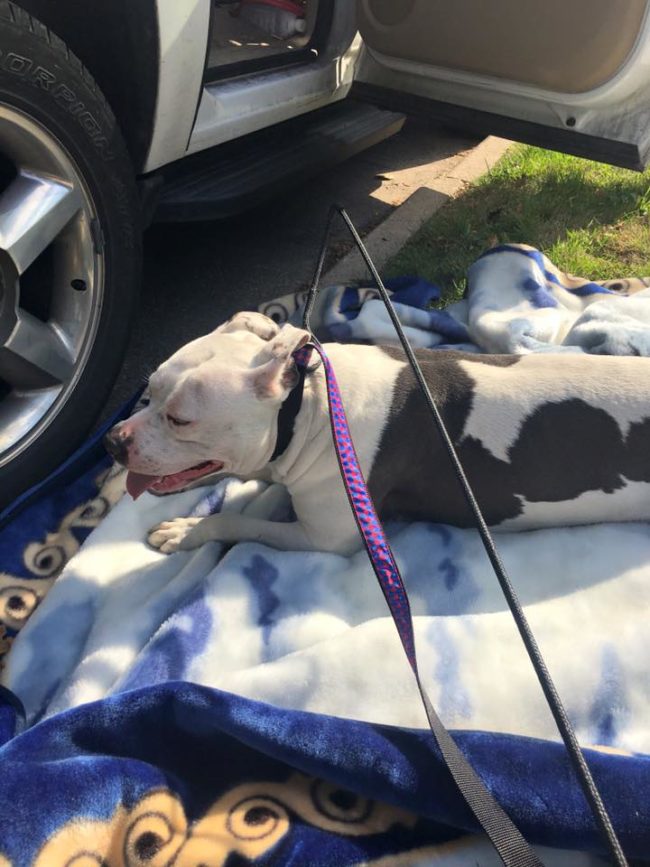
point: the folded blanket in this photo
(517, 301)
(256, 703)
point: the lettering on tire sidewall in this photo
(38, 76)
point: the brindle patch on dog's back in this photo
(560, 449)
(412, 475)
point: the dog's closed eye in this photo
(177, 422)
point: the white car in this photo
(114, 113)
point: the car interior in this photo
(510, 39)
(257, 30)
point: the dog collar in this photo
(288, 412)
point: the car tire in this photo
(53, 113)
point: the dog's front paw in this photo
(169, 536)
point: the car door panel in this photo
(558, 45)
(581, 66)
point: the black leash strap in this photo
(507, 840)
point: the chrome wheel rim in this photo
(51, 280)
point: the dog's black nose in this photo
(117, 444)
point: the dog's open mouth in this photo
(138, 483)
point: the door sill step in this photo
(241, 174)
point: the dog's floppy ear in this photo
(257, 323)
(276, 377)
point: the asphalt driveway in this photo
(198, 274)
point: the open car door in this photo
(570, 75)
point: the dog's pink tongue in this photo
(138, 483)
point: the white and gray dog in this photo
(546, 440)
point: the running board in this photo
(241, 174)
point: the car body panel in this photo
(593, 93)
(235, 108)
(183, 30)
(231, 108)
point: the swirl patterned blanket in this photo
(253, 706)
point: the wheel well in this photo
(118, 43)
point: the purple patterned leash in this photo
(371, 530)
(506, 838)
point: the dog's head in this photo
(212, 407)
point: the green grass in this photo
(590, 219)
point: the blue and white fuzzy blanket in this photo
(517, 301)
(255, 704)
